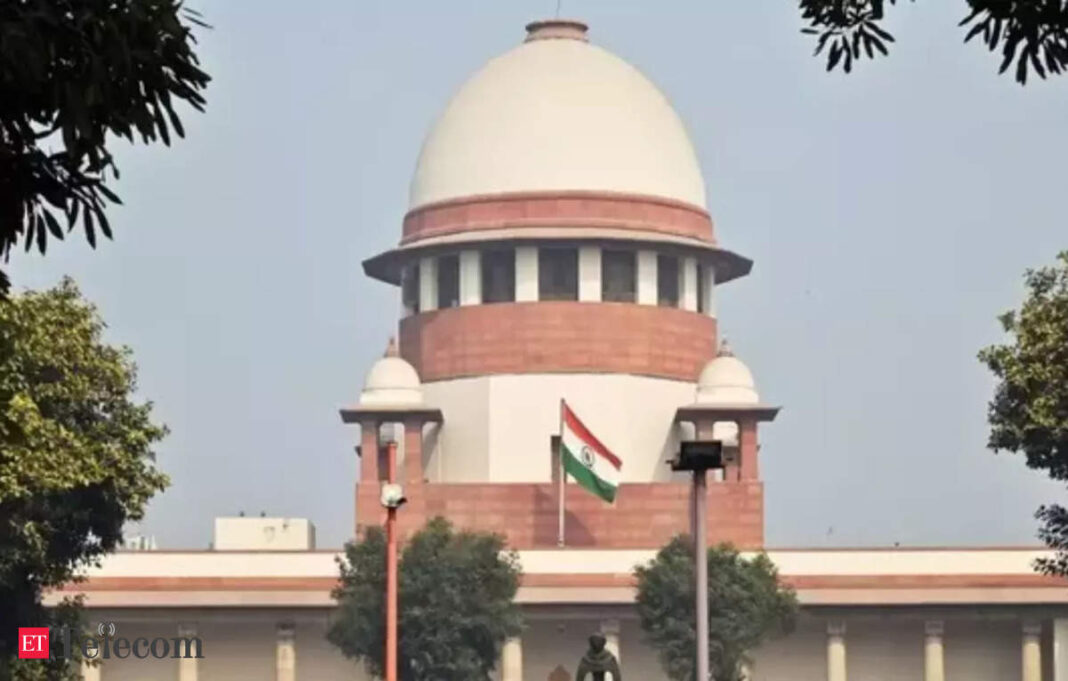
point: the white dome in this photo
(726, 432)
(391, 382)
(557, 114)
(726, 380)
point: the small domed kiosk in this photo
(727, 408)
(392, 396)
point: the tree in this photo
(73, 73)
(455, 606)
(1029, 411)
(1033, 34)
(76, 458)
(746, 605)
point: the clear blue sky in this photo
(890, 213)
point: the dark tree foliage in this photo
(746, 605)
(456, 603)
(76, 456)
(74, 74)
(1029, 412)
(1032, 34)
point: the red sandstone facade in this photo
(644, 515)
(569, 209)
(558, 336)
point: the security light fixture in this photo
(392, 496)
(699, 455)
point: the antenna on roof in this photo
(558, 2)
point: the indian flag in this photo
(585, 458)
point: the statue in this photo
(597, 661)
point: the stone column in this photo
(1060, 650)
(934, 666)
(836, 651)
(512, 660)
(648, 293)
(589, 274)
(470, 278)
(747, 451)
(187, 660)
(688, 284)
(285, 652)
(368, 451)
(413, 451)
(708, 292)
(526, 274)
(1031, 651)
(428, 284)
(610, 629)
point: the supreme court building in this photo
(558, 245)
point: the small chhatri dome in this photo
(392, 381)
(557, 113)
(726, 380)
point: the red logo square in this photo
(33, 643)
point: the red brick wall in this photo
(644, 515)
(565, 209)
(558, 336)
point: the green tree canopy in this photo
(74, 74)
(1032, 34)
(1029, 412)
(746, 605)
(76, 458)
(456, 603)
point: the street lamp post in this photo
(391, 571)
(699, 457)
(392, 499)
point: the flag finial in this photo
(725, 349)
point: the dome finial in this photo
(725, 349)
(550, 29)
(391, 349)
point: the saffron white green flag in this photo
(585, 459)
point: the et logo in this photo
(33, 643)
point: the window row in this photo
(555, 273)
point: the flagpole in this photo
(562, 476)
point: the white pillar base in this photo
(610, 629)
(1060, 650)
(512, 660)
(285, 653)
(187, 666)
(934, 666)
(836, 651)
(90, 672)
(1031, 652)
